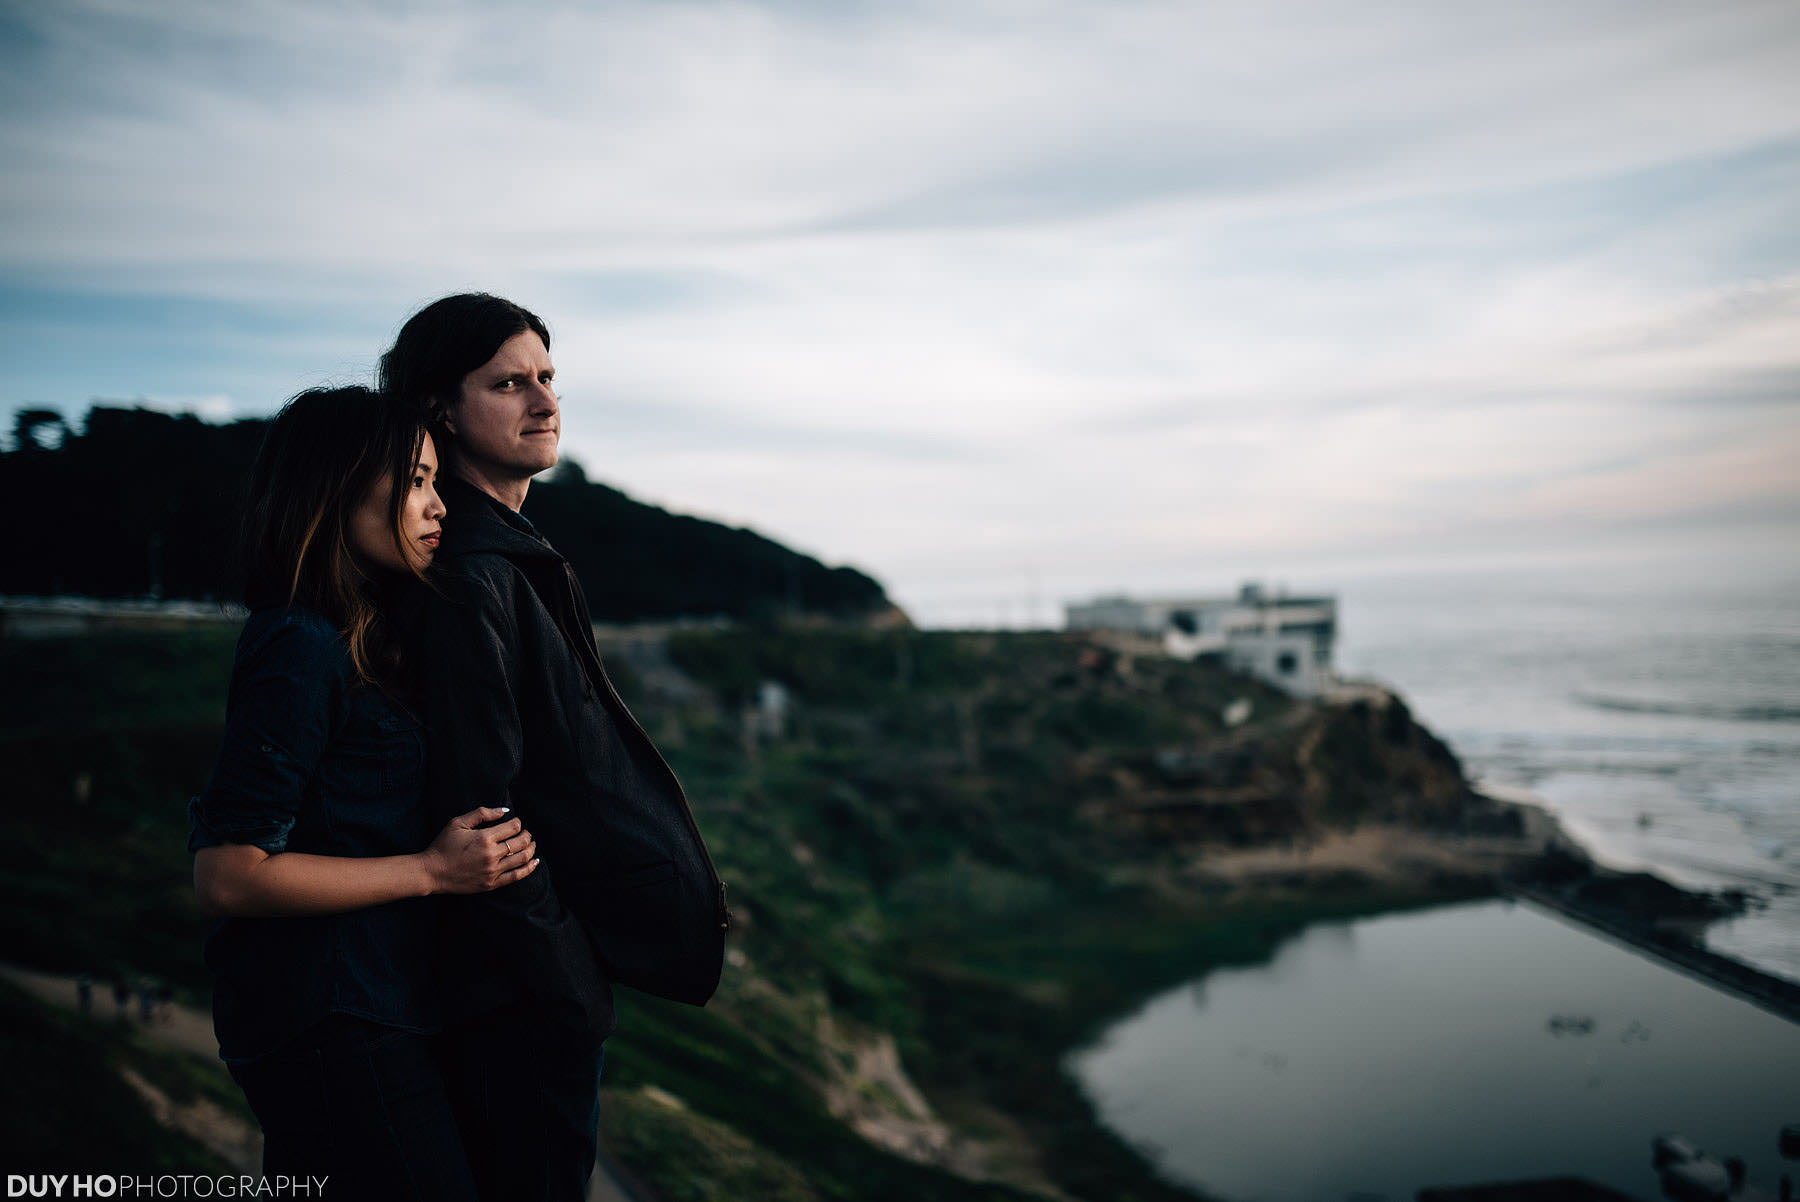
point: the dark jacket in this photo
(520, 712)
(314, 761)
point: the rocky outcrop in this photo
(1367, 759)
(1323, 766)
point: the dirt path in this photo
(228, 1136)
(1391, 854)
(175, 1026)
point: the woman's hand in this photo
(468, 858)
(244, 881)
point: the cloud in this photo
(937, 287)
(330, 132)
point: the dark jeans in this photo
(526, 1089)
(362, 1105)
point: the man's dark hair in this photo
(445, 341)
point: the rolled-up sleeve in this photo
(277, 722)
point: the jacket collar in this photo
(474, 523)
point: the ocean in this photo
(1653, 706)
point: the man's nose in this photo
(544, 400)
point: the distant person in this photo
(313, 839)
(121, 998)
(146, 997)
(84, 992)
(519, 706)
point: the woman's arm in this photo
(243, 881)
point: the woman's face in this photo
(372, 535)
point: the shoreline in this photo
(1516, 842)
(1085, 975)
(1509, 848)
(1777, 995)
(1455, 993)
(1671, 939)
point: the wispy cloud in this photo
(1125, 288)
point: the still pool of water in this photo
(1471, 1043)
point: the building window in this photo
(1285, 663)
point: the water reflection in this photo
(1483, 1042)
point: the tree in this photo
(30, 427)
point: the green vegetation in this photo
(173, 533)
(637, 561)
(687, 1157)
(935, 841)
(106, 738)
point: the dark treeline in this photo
(139, 503)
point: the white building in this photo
(1283, 640)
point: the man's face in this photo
(508, 421)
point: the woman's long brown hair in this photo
(324, 453)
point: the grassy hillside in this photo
(939, 854)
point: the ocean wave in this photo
(1774, 712)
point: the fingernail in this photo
(506, 809)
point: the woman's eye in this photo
(418, 482)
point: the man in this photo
(521, 713)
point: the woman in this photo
(313, 840)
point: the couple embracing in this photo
(434, 836)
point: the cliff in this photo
(942, 849)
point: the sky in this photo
(1005, 304)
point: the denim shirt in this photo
(313, 761)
